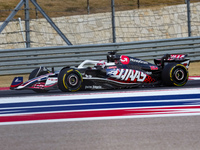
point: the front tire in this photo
(69, 80)
(175, 75)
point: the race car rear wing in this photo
(171, 58)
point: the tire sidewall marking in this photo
(65, 77)
(80, 75)
(70, 70)
(64, 81)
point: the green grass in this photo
(57, 8)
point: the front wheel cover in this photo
(175, 75)
(69, 80)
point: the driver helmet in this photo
(111, 57)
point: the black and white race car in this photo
(118, 71)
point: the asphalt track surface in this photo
(166, 133)
(21, 93)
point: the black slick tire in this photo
(69, 80)
(175, 75)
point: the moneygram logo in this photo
(124, 59)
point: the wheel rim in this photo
(73, 80)
(179, 74)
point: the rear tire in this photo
(69, 80)
(36, 73)
(175, 75)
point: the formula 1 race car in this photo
(119, 71)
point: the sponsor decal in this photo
(88, 76)
(186, 63)
(40, 85)
(51, 81)
(149, 73)
(112, 67)
(128, 75)
(124, 59)
(138, 61)
(101, 63)
(172, 57)
(154, 67)
(18, 80)
(93, 87)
